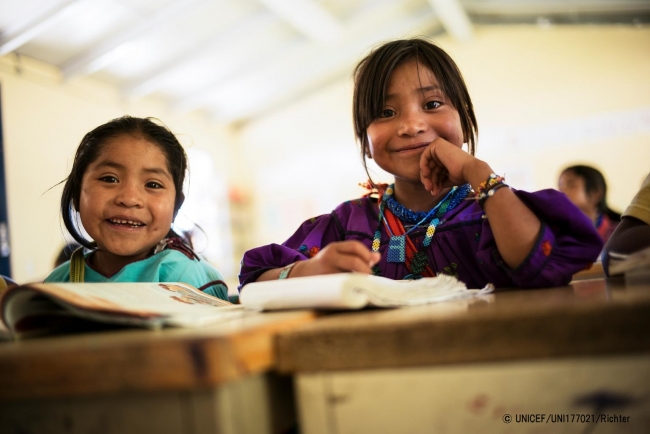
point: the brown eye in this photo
(386, 113)
(432, 105)
(153, 185)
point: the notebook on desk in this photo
(46, 308)
(353, 291)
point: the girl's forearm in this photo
(273, 274)
(514, 226)
(281, 273)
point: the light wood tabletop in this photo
(589, 317)
(134, 360)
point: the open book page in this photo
(328, 291)
(145, 304)
(386, 292)
(352, 291)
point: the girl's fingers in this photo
(442, 165)
(434, 175)
(352, 263)
(346, 256)
(355, 248)
(425, 162)
(425, 182)
(437, 179)
(428, 165)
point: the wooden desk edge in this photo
(599, 331)
(145, 365)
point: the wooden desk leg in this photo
(477, 397)
(259, 404)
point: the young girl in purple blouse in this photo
(447, 212)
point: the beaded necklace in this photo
(405, 214)
(400, 246)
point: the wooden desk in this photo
(211, 380)
(596, 271)
(462, 366)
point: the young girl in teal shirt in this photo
(124, 190)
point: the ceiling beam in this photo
(302, 69)
(283, 58)
(308, 18)
(22, 33)
(102, 55)
(453, 18)
(528, 7)
(259, 23)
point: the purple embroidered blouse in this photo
(463, 244)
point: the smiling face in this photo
(127, 201)
(416, 112)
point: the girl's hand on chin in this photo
(443, 165)
(338, 257)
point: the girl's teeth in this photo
(126, 222)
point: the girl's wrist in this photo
(296, 269)
(489, 187)
(477, 173)
(284, 272)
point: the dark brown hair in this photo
(372, 75)
(594, 184)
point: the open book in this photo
(353, 291)
(43, 308)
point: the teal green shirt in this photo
(167, 266)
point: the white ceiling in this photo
(237, 59)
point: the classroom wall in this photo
(44, 119)
(545, 98)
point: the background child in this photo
(586, 188)
(412, 115)
(124, 191)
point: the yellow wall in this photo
(544, 97)
(44, 120)
(568, 95)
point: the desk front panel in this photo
(602, 395)
(588, 318)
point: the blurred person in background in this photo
(585, 186)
